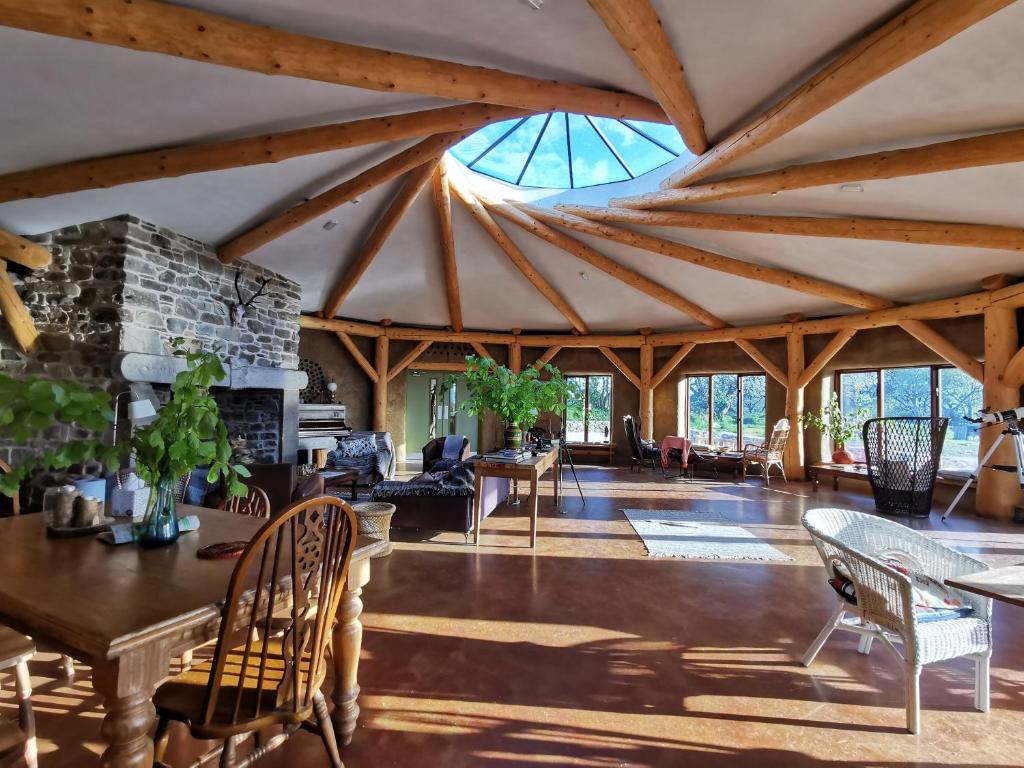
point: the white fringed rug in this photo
(678, 533)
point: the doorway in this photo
(433, 409)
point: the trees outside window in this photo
(588, 414)
(726, 410)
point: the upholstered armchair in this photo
(770, 453)
(434, 450)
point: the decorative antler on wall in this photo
(239, 307)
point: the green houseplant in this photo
(516, 397)
(186, 433)
(838, 426)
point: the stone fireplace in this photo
(118, 290)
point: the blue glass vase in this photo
(160, 525)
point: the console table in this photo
(531, 470)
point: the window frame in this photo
(586, 407)
(711, 402)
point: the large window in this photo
(921, 391)
(588, 417)
(725, 410)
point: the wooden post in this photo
(998, 492)
(795, 469)
(380, 387)
(515, 355)
(647, 391)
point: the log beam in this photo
(358, 356)
(794, 455)
(416, 156)
(998, 492)
(707, 259)
(973, 152)
(672, 364)
(911, 33)
(409, 359)
(620, 366)
(892, 230)
(155, 27)
(175, 161)
(429, 365)
(944, 348)
(1013, 375)
(817, 365)
(647, 391)
(638, 30)
(443, 205)
(380, 387)
(414, 183)
(544, 359)
(21, 251)
(762, 360)
(515, 358)
(15, 314)
(351, 327)
(480, 349)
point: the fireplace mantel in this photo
(161, 369)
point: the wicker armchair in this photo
(768, 454)
(884, 604)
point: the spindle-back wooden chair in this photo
(255, 503)
(293, 571)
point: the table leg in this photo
(835, 482)
(557, 469)
(347, 644)
(814, 482)
(533, 512)
(477, 505)
(127, 684)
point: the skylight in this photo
(566, 151)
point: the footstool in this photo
(375, 521)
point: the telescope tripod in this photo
(1013, 430)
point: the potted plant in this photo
(516, 397)
(838, 426)
(187, 432)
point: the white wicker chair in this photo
(884, 608)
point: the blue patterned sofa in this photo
(371, 453)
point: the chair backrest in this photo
(15, 503)
(182, 487)
(297, 561)
(633, 436)
(434, 450)
(777, 442)
(254, 504)
(902, 454)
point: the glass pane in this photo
(754, 399)
(697, 429)
(470, 147)
(599, 422)
(858, 391)
(550, 165)
(506, 160)
(663, 134)
(907, 392)
(959, 396)
(724, 428)
(574, 415)
(640, 154)
(592, 161)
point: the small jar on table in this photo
(375, 521)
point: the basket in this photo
(375, 521)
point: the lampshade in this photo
(140, 409)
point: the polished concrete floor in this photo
(587, 652)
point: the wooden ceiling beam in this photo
(155, 27)
(305, 212)
(1013, 374)
(17, 317)
(620, 366)
(944, 348)
(409, 359)
(358, 356)
(414, 183)
(21, 251)
(606, 264)
(762, 360)
(483, 217)
(911, 33)
(638, 30)
(175, 161)
(728, 265)
(480, 350)
(544, 359)
(351, 327)
(894, 230)
(973, 152)
(817, 365)
(672, 364)
(443, 205)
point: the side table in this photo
(375, 521)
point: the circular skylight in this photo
(559, 150)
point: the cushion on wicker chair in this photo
(933, 601)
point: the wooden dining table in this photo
(128, 611)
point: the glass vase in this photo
(160, 525)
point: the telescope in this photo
(988, 416)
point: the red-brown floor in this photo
(588, 652)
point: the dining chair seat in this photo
(12, 742)
(14, 647)
(183, 697)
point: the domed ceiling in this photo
(384, 250)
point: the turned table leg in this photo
(533, 512)
(126, 684)
(348, 642)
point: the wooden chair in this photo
(769, 454)
(643, 453)
(15, 651)
(253, 504)
(250, 683)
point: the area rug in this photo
(709, 535)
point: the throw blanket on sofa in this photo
(456, 481)
(452, 447)
(378, 465)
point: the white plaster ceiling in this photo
(67, 100)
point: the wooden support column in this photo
(795, 469)
(515, 354)
(14, 313)
(647, 391)
(380, 387)
(998, 492)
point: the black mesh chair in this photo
(903, 460)
(643, 453)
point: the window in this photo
(726, 410)
(588, 413)
(563, 151)
(919, 391)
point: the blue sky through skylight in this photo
(567, 151)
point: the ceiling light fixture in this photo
(584, 276)
(851, 188)
(535, 4)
